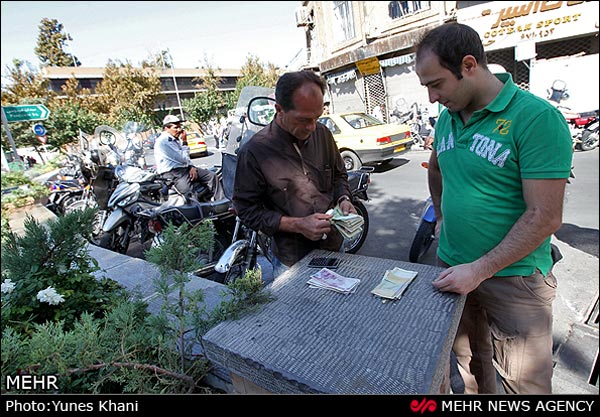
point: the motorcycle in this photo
(418, 120)
(72, 184)
(194, 212)
(425, 230)
(247, 244)
(137, 189)
(144, 203)
(587, 137)
(583, 126)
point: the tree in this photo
(25, 83)
(160, 60)
(210, 102)
(127, 93)
(50, 43)
(255, 73)
(205, 104)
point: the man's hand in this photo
(461, 279)
(193, 173)
(347, 207)
(316, 225)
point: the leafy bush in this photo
(27, 191)
(110, 343)
(57, 281)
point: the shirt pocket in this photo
(325, 179)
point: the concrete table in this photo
(311, 340)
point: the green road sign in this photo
(26, 112)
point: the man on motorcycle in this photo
(291, 172)
(173, 161)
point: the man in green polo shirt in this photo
(497, 173)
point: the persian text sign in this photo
(26, 112)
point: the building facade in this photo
(177, 84)
(365, 50)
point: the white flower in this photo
(50, 296)
(8, 286)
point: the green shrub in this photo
(98, 340)
(57, 281)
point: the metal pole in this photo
(175, 83)
(10, 138)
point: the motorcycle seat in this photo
(189, 211)
(146, 188)
(212, 208)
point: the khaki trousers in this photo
(506, 326)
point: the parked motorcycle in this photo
(137, 189)
(425, 230)
(587, 137)
(247, 244)
(416, 118)
(194, 212)
(124, 205)
(64, 192)
(583, 125)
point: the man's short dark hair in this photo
(451, 42)
(289, 82)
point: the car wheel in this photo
(351, 161)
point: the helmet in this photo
(171, 118)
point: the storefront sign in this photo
(505, 24)
(368, 66)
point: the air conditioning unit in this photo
(303, 17)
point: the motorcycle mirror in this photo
(261, 110)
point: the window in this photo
(361, 120)
(397, 9)
(330, 124)
(343, 29)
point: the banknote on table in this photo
(326, 278)
(394, 283)
(349, 225)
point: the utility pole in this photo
(175, 83)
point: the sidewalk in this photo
(576, 342)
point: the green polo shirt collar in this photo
(497, 105)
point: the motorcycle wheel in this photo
(68, 201)
(116, 240)
(589, 140)
(352, 246)
(422, 241)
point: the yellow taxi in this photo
(197, 144)
(364, 140)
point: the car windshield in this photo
(361, 120)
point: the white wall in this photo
(579, 72)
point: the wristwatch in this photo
(342, 198)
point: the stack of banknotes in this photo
(330, 280)
(349, 225)
(394, 283)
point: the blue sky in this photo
(224, 32)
